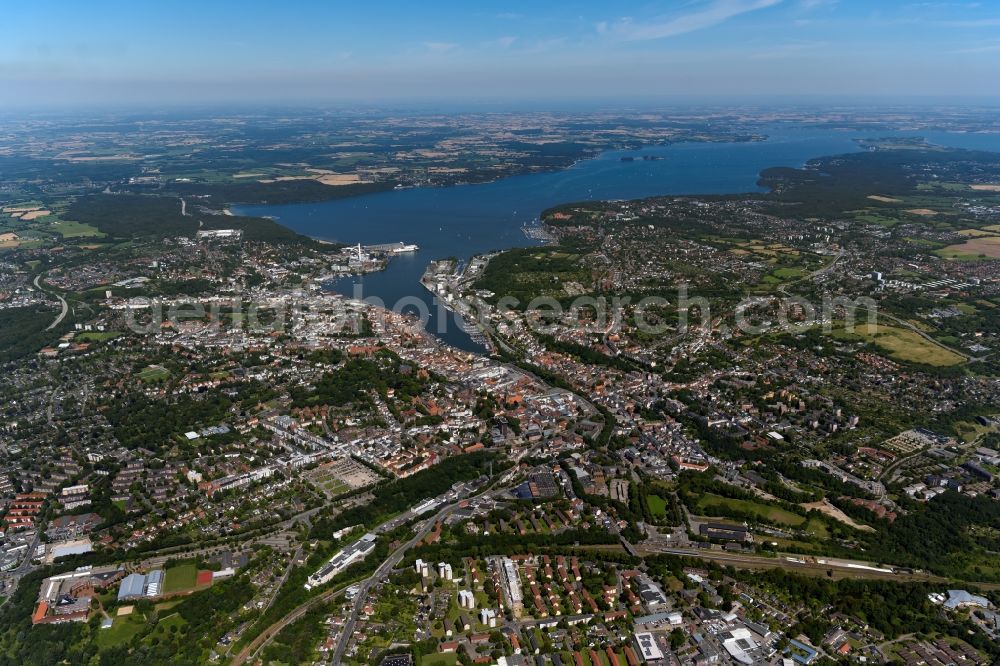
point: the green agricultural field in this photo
(876, 218)
(709, 501)
(949, 187)
(902, 344)
(974, 249)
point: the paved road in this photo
(925, 336)
(284, 578)
(902, 322)
(13, 577)
(154, 558)
(265, 636)
(380, 575)
(65, 306)
(365, 586)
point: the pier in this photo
(392, 248)
(538, 231)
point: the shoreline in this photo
(233, 208)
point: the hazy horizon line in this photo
(663, 103)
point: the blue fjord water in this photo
(464, 220)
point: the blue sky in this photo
(297, 51)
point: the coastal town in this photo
(683, 441)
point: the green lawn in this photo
(902, 344)
(708, 501)
(335, 487)
(174, 619)
(180, 578)
(657, 506)
(96, 336)
(969, 431)
(154, 373)
(818, 528)
(447, 659)
(790, 273)
(122, 631)
(76, 230)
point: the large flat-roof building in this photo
(66, 597)
(724, 532)
(132, 587)
(512, 583)
(137, 585)
(154, 583)
(355, 552)
(647, 648)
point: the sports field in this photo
(180, 578)
(154, 373)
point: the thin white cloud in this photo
(712, 14)
(988, 48)
(815, 4)
(972, 23)
(542, 45)
(785, 50)
(440, 47)
(504, 42)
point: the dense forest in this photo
(139, 421)
(288, 191)
(25, 330)
(828, 186)
(136, 216)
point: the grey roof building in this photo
(132, 587)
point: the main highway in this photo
(62, 301)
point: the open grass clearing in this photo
(901, 344)
(657, 506)
(122, 630)
(96, 336)
(830, 510)
(970, 431)
(70, 229)
(709, 501)
(154, 373)
(442, 659)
